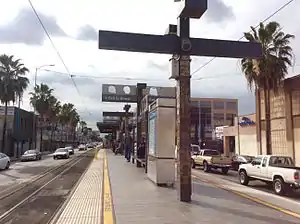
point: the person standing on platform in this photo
(128, 148)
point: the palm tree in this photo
(13, 83)
(55, 107)
(41, 99)
(65, 117)
(268, 72)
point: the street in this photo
(21, 172)
(256, 191)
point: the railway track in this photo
(36, 203)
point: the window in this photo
(257, 161)
(264, 163)
(231, 105)
(205, 104)
(218, 105)
(230, 117)
(211, 153)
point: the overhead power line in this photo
(263, 21)
(55, 49)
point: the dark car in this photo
(30, 155)
(237, 160)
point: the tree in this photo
(66, 117)
(268, 72)
(55, 107)
(12, 85)
(41, 100)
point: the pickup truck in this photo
(211, 159)
(277, 171)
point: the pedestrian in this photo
(128, 147)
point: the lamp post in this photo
(34, 132)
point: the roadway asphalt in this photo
(20, 172)
(258, 185)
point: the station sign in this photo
(128, 93)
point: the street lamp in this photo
(34, 132)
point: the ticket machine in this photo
(161, 141)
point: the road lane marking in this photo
(108, 215)
(251, 198)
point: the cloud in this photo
(25, 28)
(87, 33)
(218, 12)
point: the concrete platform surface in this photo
(129, 197)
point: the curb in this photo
(64, 204)
(251, 198)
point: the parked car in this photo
(61, 153)
(4, 161)
(30, 155)
(238, 160)
(82, 147)
(278, 171)
(70, 149)
(211, 159)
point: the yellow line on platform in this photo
(108, 216)
(244, 195)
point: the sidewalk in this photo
(129, 197)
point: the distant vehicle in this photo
(211, 159)
(278, 171)
(70, 149)
(4, 161)
(30, 155)
(82, 147)
(61, 153)
(238, 160)
(89, 146)
(195, 149)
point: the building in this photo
(249, 131)
(209, 113)
(19, 130)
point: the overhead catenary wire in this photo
(263, 21)
(129, 78)
(56, 50)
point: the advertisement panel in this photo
(152, 133)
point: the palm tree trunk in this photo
(258, 119)
(19, 124)
(268, 119)
(41, 139)
(4, 127)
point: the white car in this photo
(61, 153)
(4, 161)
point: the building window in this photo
(205, 104)
(231, 105)
(218, 119)
(219, 105)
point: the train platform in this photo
(113, 191)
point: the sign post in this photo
(184, 46)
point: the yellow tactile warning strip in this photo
(259, 201)
(84, 206)
(108, 213)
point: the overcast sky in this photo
(73, 27)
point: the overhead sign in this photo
(246, 122)
(10, 111)
(116, 114)
(128, 93)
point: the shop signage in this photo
(246, 122)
